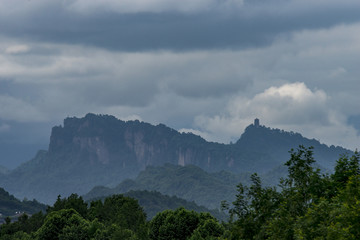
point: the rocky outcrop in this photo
(106, 140)
(103, 150)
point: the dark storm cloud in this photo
(255, 24)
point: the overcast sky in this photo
(206, 66)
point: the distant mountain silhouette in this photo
(102, 150)
(277, 143)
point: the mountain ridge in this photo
(103, 150)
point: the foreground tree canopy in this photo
(307, 204)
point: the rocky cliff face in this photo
(102, 150)
(105, 140)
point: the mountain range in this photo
(103, 150)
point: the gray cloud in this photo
(4, 127)
(209, 66)
(292, 107)
(155, 6)
(113, 27)
(85, 78)
(355, 122)
(12, 108)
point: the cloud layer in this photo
(292, 107)
(155, 6)
(140, 25)
(209, 67)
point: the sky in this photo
(203, 66)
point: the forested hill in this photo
(277, 143)
(154, 202)
(9, 205)
(309, 205)
(189, 182)
(102, 150)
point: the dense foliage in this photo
(9, 205)
(183, 224)
(307, 204)
(310, 205)
(118, 217)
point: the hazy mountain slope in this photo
(189, 182)
(102, 150)
(154, 202)
(17, 153)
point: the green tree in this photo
(74, 201)
(209, 229)
(64, 224)
(346, 216)
(122, 211)
(252, 209)
(344, 169)
(20, 235)
(178, 224)
(24, 224)
(314, 224)
(302, 187)
(335, 218)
